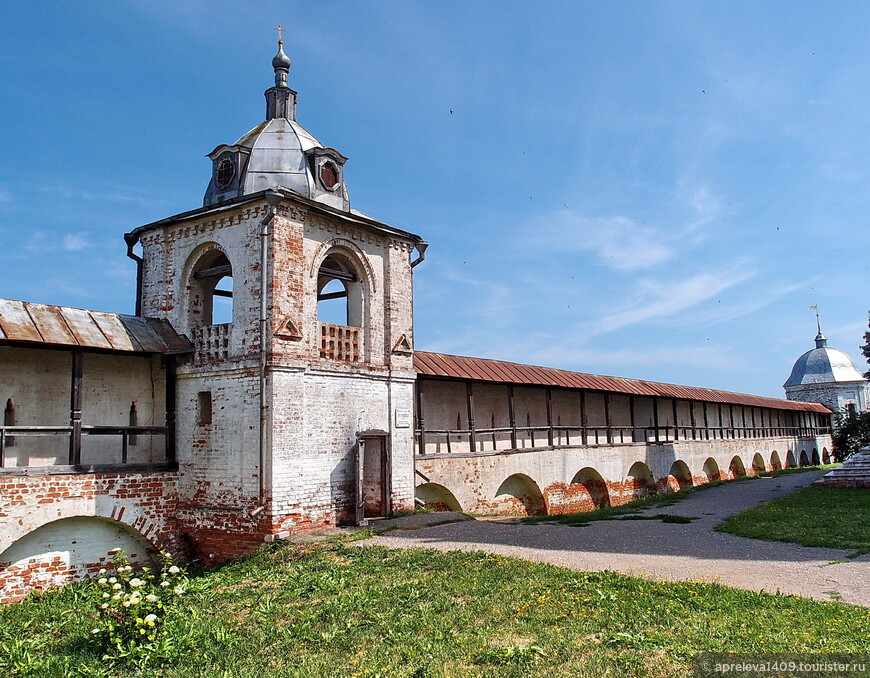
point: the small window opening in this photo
(132, 439)
(214, 286)
(339, 298)
(203, 408)
(9, 420)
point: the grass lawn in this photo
(814, 516)
(335, 609)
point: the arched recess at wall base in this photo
(775, 462)
(758, 465)
(594, 484)
(437, 497)
(826, 456)
(736, 468)
(640, 482)
(519, 494)
(814, 460)
(711, 470)
(64, 549)
(804, 458)
(790, 460)
(679, 478)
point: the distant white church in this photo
(828, 376)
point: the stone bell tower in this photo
(295, 409)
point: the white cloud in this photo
(73, 242)
(657, 299)
(618, 242)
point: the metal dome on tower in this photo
(828, 376)
(278, 152)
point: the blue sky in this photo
(652, 190)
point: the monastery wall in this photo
(38, 383)
(59, 527)
(582, 478)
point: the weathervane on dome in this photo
(821, 339)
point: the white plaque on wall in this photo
(403, 418)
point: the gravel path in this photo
(675, 551)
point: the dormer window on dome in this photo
(278, 153)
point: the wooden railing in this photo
(535, 437)
(338, 342)
(15, 436)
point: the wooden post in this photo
(676, 420)
(656, 417)
(171, 398)
(607, 422)
(550, 435)
(692, 419)
(469, 396)
(706, 423)
(421, 422)
(512, 416)
(75, 408)
(731, 421)
(631, 416)
(584, 434)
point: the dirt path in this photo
(676, 551)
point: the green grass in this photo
(335, 609)
(814, 516)
(627, 510)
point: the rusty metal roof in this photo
(23, 322)
(483, 369)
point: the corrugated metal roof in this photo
(23, 322)
(483, 369)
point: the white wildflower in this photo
(106, 595)
(164, 584)
(178, 590)
(102, 580)
(151, 598)
(135, 581)
(104, 605)
(116, 586)
(150, 619)
(95, 631)
(126, 603)
(174, 569)
(117, 596)
(112, 580)
(102, 570)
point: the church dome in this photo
(278, 153)
(823, 365)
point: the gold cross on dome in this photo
(280, 31)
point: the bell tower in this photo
(295, 410)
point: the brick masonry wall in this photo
(58, 527)
(580, 478)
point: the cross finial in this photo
(280, 32)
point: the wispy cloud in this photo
(657, 300)
(618, 242)
(73, 242)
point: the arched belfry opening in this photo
(341, 301)
(211, 286)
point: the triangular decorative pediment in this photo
(288, 330)
(403, 346)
